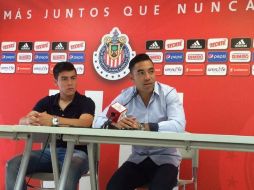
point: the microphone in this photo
(115, 113)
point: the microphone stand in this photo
(107, 124)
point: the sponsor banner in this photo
(240, 43)
(40, 68)
(7, 68)
(173, 70)
(80, 68)
(239, 69)
(24, 68)
(217, 56)
(174, 57)
(195, 57)
(58, 57)
(156, 57)
(158, 69)
(196, 44)
(217, 43)
(154, 45)
(8, 57)
(77, 46)
(194, 69)
(216, 69)
(41, 46)
(174, 44)
(25, 46)
(41, 57)
(240, 56)
(24, 57)
(8, 46)
(76, 57)
(59, 46)
(51, 67)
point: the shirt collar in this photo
(74, 101)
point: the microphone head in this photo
(116, 112)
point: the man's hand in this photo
(127, 123)
(32, 118)
(45, 119)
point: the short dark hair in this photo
(138, 58)
(63, 66)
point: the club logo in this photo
(112, 58)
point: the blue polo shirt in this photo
(79, 105)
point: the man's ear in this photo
(131, 76)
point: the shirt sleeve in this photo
(88, 106)
(175, 113)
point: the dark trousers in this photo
(130, 176)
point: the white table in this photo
(97, 136)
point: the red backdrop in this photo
(213, 104)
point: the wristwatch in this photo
(55, 121)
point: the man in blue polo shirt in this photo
(67, 108)
(151, 106)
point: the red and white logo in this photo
(240, 56)
(77, 45)
(58, 57)
(8, 46)
(7, 68)
(158, 69)
(40, 68)
(217, 43)
(216, 69)
(174, 44)
(195, 57)
(42, 46)
(24, 57)
(174, 70)
(24, 68)
(79, 68)
(194, 69)
(156, 57)
(239, 69)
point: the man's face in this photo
(67, 82)
(143, 76)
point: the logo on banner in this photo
(217, 56)
(154, 45)
(240, 43)
(8, 46)
(77, 45)
(216, 69)
(156, 57)
(192, 57)
(58, 57)
(40, 68)
(217, 43)
(112, 58)
(240, 56)
(59, 46)
(41, 46)
(174, 57)
(41, 57)
(24, 57)
(7, 68)
(8, 57)
(196, 44)
(25, 46)
(24, 68)
(194, 69)
(76, 57)
(239, 69)
(79, 68)
(174, 44)
(173, 70)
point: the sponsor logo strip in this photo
(24, 68)
(173, 70)
(154, 45)
(174, 44)
(8, 57)
(195, 57)
(239, 69)
(76, 57)
(240, 56)
(217, 56)
(217, 43)
(194, 69)
(216, 69)
(7, 68)
(40, 68)
(156, 57)
(58, 57)
(8, 46)
(79, 68)
(41, 46)
(77, 45)
(24, 57)
(174, 57)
